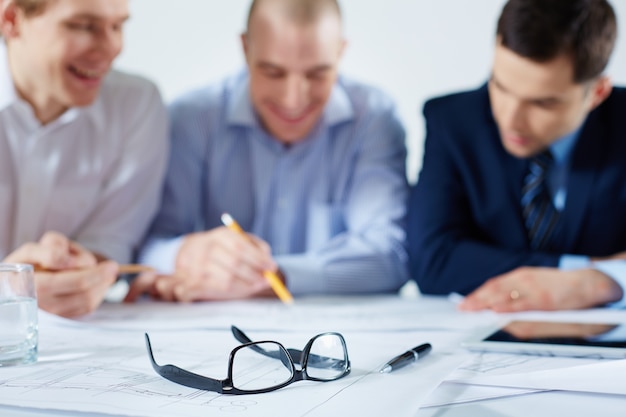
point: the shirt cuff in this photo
(303, 274)
(570, 262)
(161, 253)
(615, 269)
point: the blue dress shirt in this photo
(331, 206)
(557, 186)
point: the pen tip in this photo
(226, 219)
(385, 369)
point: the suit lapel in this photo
(585, 165)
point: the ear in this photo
(342, 48)
(9, 19)
(600, 90)
(245, 44)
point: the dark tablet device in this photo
(592, 340)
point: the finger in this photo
(489, 294)
(76, 281)
(512, 306)
(261, 244)
(252, 251)
(224, 266)
(55, 239)
(84, 299)
(54, 258)
(165, 284)
(81, 257)
(142, 284)
(475, 301)
(206, 290)
(59, 246)
(66, 254)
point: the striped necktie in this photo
(540, 215)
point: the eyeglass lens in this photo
(327, 359)
(252, 370)
(264, 365)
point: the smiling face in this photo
(59, 57)
(293, 68)
(537, 103)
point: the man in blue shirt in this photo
(522, 195)
(311, 164)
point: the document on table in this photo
(386, 313)
(87, 369)
(458, 386)
(602, 377)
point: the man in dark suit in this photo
(521, 201)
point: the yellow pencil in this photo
(277, 285)
(123, 269)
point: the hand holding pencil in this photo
(275, 282)
(216, 264)
(70, 281)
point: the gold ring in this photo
(514, 295)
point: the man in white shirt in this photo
(82, 148)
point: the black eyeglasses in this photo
(258, 367)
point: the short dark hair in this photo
(300, 11)
(541, 30)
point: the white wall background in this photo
(413, 49)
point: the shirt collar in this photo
(8, 95)
(339, 108)
(241, 112)
(562, 148)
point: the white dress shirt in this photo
(94, 174)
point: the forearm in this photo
(343, 272)
(447, 264)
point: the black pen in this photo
(406, 358)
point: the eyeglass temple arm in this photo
(243, 338)
(296, 355)
(183, 377)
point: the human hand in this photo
(69, 281)
(144, 283)
(218, 265)
(53, 252)
(76, 292)
(533, 288)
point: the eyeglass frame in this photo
(225, 386)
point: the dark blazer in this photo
(465, 222)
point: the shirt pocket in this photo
(325, 221)
(70, 208)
